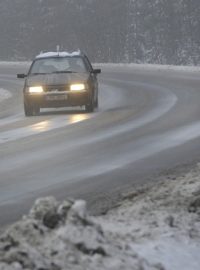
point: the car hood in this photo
(57, 79)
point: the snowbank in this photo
(162, 223)
(151, 67)
(155, 227)
(62, 236)
(4, 94)
(125, 66)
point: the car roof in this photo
(58, 54)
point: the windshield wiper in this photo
(39, 73)
(54, 72)
(64, 71)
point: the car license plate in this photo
(56, 97)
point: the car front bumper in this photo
(58, 99)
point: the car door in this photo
(93, 78)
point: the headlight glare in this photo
(77, 87)
(35, 90)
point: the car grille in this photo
(56, 88)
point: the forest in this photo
(117, 31)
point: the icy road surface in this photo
(148, 121)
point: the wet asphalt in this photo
(147, 123)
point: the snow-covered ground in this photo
(14, 63)
(4, 94)
(162, 223)
(124, 65)
(149, 67)
(155, 227)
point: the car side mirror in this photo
(21, 76)
(96, 71)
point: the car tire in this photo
(96, 103)
(27, 110)
(36, 110)
(90, 107)
(31, 110)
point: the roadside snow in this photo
(147, 67)
(62, 236)
(4, 94)
(151, 67)
(162, 223)
(155, 227)
(14, 64)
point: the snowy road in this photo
(148, 121)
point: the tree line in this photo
(140, 31)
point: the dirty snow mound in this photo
(155, 227)
(62, 236)
(162, 222)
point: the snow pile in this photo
(60, 54)
(155, 227)
(62, 236)
(162, 223)
(4, 94)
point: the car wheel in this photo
(28, 110)
(31, 110)
(97, 103)
(36, 110)
(90, 107)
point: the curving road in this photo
(147, 123)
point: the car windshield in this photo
(58, 65)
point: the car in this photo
(60, 79)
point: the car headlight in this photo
(77, 87)
(35, 90)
